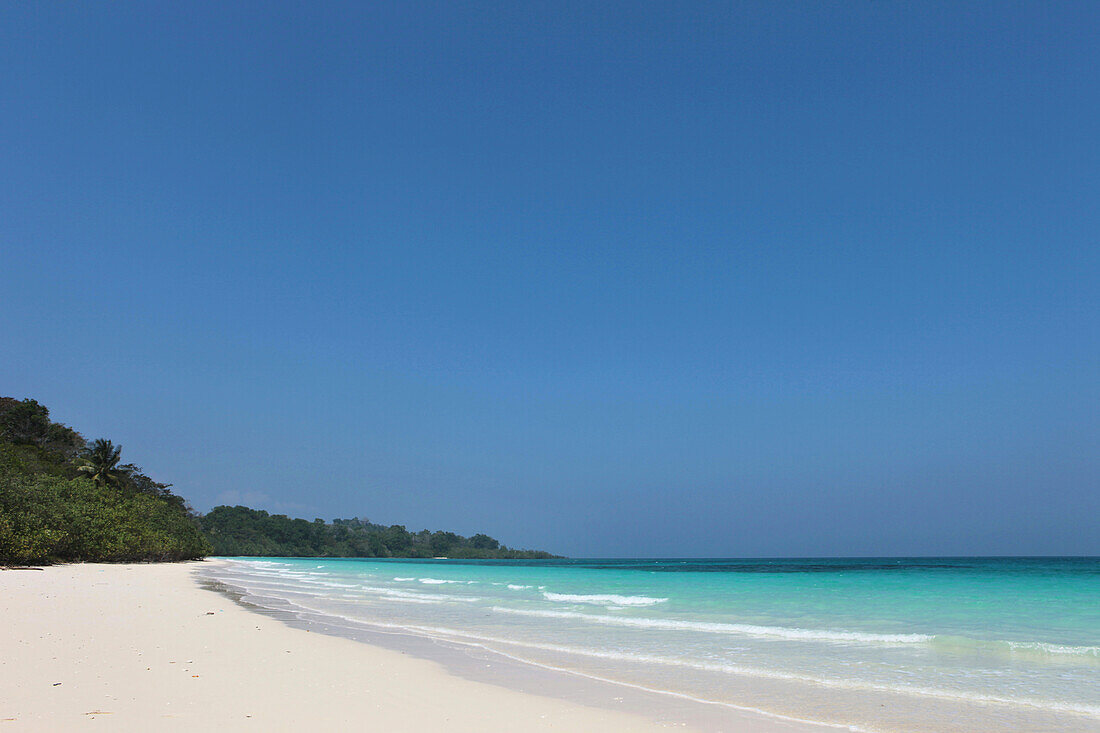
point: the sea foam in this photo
(734, 669)
(724, 628)
(602, 599)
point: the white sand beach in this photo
(145, 647)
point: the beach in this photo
(146, 647)
(293, 644)
(889, 645)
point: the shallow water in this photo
(869, 644)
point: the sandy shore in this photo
(144, 647)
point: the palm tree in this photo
(101, 462)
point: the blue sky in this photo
(602, 278)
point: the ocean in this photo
(868, 644)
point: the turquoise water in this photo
(868, 644)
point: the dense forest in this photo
(63, 498)
(243, 531)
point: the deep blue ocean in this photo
(878, 644)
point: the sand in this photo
(145, 647)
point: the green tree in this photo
(484, 542)
(101, 463)
(25, 422)
(52, 509)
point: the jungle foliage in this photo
(62, 499)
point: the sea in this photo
(867, 644)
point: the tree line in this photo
(239, 530)
(63, 498)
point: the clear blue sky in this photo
(748, 278)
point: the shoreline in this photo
(145, 646)
(475, 661)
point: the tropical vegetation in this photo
(242, 531)
(63, 498)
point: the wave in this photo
(405, 594)
(1049, 652)
(724, 628)
(301, 587)
(472, 641)
(263, 586)
(276, 573)
(1037, 648)
(460, 636)
(603, 599)
(1043, 649)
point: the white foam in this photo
(513, 586)
(332, 584)
(724, 628)
(602, 599)
(903, 689)
(1090, 710)
(404, 594)
(263, 586)
(1039, 646)
(307, 586)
